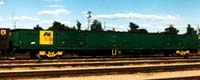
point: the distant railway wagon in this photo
(4, 40)
(44, 43)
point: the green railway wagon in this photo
(57, 43)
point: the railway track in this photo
(93, 67)
(23, 61)
(98, 71)
(94, 63)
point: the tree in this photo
(142, 31)
(133, 27)
(96, 26)
(190, 30)
(59, 27)
(37, 27)
(73, 28)
(171, 30)
(78, 24)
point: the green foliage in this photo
(73, 28)
(37, 27)
(142, 31)
(78, 24)
(96, 26)
(133, 27)
(57, 26)
(171, 30)
(190, 30)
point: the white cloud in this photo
(25, 18)
(159, 27)
(46, 23)
(153, 27)
(116, 27)
(55, 6)
(2, 3)
(1, 19)
(135, 16)
(108, 26)
(54, 12)
(50, 22)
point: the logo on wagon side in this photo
(3, 32)
(199, 37)
(46, 37)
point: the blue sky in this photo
(153, 15)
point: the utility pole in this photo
(15, 24)
(89, 19)
(13, 21)
(104, 25)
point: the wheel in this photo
(174, 55)
(38, 56)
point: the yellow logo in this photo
(198, 36)
(3, 32)
(46, 37)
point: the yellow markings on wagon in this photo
(46, 37)
(182, 52)
(51, 53)
(116, 52)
